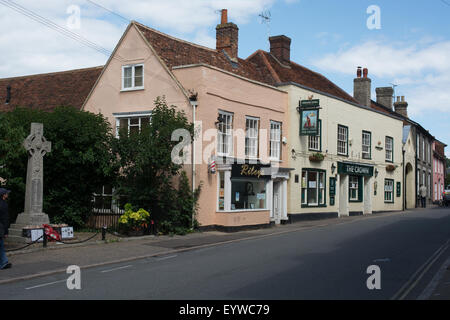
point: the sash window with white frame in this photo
(342, 141)
(353, 188)
(251, 137)
(133, 77)
(275, 140)
(389, 149)
(388, 190)
(366, 145)
(314, 142)
(225, 137)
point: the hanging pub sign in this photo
(309, 122)
(309, 104)
(249, 171)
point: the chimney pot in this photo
(365, 72)
(359, 72)
(401, 106)
(224, 18)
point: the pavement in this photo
(36, 261)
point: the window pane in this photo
(127, 77)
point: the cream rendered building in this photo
(362, 167)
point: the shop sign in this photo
(309, 122)
(355, 169)
(249, 171)
(332, 187)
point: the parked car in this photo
(446, 196)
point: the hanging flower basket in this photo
(390, 168)
(316, 157)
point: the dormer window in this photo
(133, 77)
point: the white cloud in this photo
(421, 69)
(29, 47)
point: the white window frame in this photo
(129, 116)
(389, 183)
(353, 185)
(225, 137)
(133, 77)
(343, 142)
(314, 142)
(275, 140)
(389, 149)
(368, 147)
(251, 137)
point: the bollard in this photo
(44, 241)
(103, 233)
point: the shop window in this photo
(313, 188)
(248, 194)
(221, 190)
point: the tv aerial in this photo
(266, 18)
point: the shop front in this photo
(251, 194)
(355, 186)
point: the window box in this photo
(316, 157)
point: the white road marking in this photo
(382, 260)
(165, 258)
(45, 284)
(119, 268)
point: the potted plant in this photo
(316, 157)
(390, 168)
(134, 223)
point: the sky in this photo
(401, 42)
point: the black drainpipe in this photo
(8, 94)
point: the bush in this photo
(80, 160)
(148, 173)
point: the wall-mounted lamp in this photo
(376, 172)
(219, 121)
(333, 167)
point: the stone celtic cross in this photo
(37, 147)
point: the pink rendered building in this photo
(439, 168)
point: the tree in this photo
(80, 160)
(147, 177)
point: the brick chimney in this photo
(401, 106)
(280, 47)
(227, 36)
(385, 96)
(362, 87)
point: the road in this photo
(327, 262)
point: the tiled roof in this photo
(50, 90)
(175, 52)
(276, 73)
